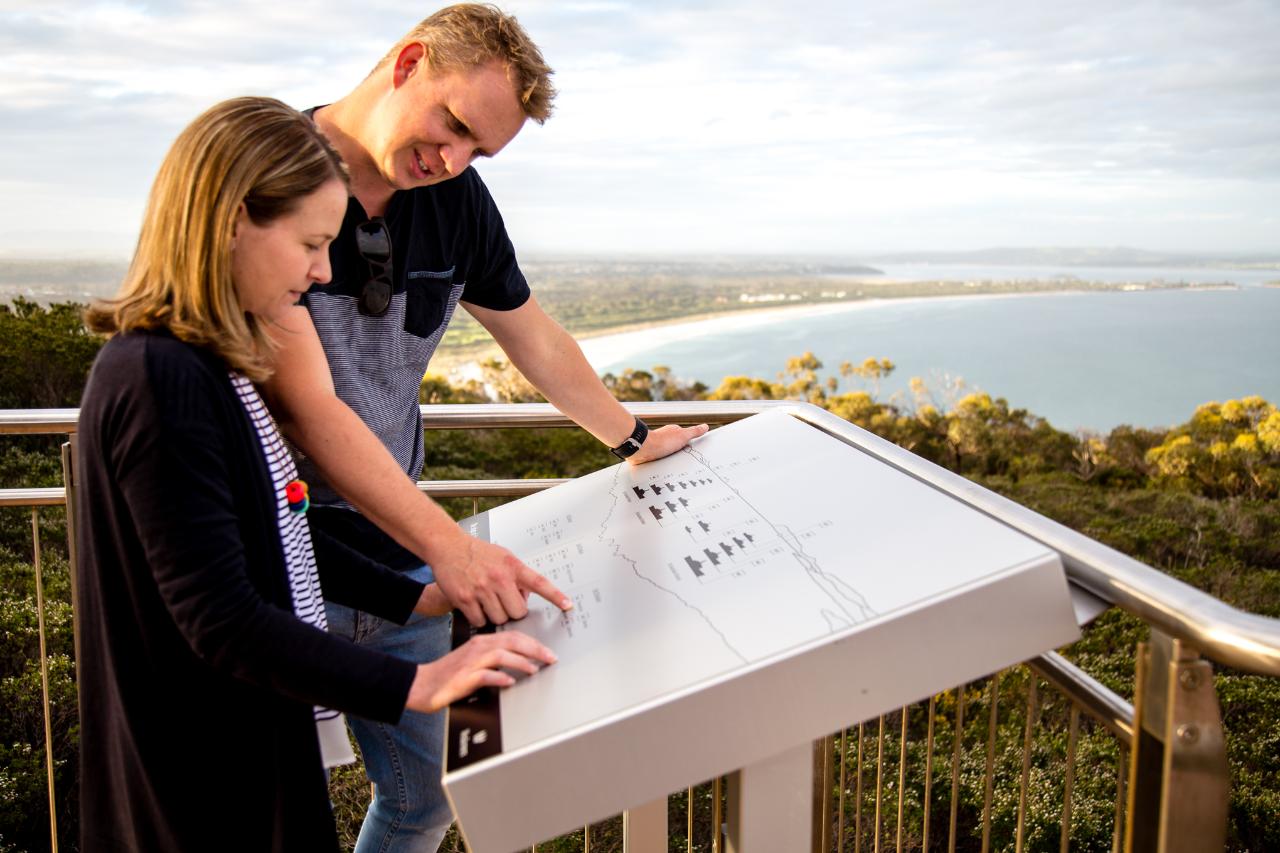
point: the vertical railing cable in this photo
(928, 776)
(902, 774)
(955, 770)
(879, 781)
(989, 778)
(689, 820)
(1069, 784)
(844, 784)
(1026, 762)
(44, 680)
(857, 796)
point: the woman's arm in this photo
(176, 474)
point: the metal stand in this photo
(1178, 776)
(644, 829)
(771, 804)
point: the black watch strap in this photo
(628, 448)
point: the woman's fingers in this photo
(486, 660)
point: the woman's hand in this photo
(477, 663)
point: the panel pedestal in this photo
(771, 804)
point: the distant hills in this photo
(1082, 256)
(80, 279)
(46, 280)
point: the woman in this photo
(205, 670)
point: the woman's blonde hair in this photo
(257, 152)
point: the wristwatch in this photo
(629, 447)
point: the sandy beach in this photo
(604, 346)
(609, 346)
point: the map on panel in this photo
(761, 537)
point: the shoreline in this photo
(622, 341)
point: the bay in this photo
(1081, 360)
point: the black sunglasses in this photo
(373, 242)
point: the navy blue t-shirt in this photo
(448, 244)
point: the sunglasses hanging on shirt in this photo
(373, 242)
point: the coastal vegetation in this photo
(1196, 501)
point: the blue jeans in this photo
(409, 812)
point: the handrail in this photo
(38, 421)
(57, 495)
(1219, 631)
(454, 415)
(51, 496)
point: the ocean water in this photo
(1081, 360)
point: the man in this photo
(420, 235)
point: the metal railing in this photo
(1170, 769)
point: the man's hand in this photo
(665, 441)
(432, 602)
(484, 580)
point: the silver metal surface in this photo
(1102, 704)
(1194, 798)
(38, 421)
(535, 415)
(52, 496)
(486, 488)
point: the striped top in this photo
(299, 555)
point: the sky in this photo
(751, 126)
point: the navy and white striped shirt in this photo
(299, 555)
(448, 244)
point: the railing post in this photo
(44, 681)
(822, 773)
(69, 483)
(1178, 776)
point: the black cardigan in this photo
(196, 680)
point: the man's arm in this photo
(552, 361)
(479, 578)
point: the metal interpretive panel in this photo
(762, 588)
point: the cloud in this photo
(745, 124)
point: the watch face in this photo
(626, 449)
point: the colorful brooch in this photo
(298, 497)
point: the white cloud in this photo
(727, 126)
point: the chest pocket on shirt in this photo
(430, 298)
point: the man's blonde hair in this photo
(257, 152)
(464, 36)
